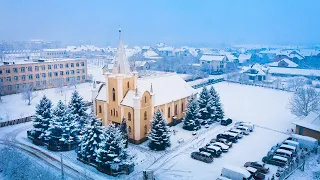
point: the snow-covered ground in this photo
(311, 170)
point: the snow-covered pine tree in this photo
(54, 132)
(211, 109)
(124, 131)
(77, 108)
(87, 149)
(219, 113)
(112, 152)
(159, 134)
(191, 118)
(42, 118)
(204, 99)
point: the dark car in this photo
(255, 173)
(275, 160)
(228, 137)
(226, 122)
(224, 141)
(259, 166)
(213, 152)
(202, 156)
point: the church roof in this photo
(121, 64)
(167, 88)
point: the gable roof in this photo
(212, 58)
(289, 62)
(244, 57)
(162, 88)
(312, 121)
(140, 63)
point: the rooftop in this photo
(35, 61)
(212, 58)
(312, 121)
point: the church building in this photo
(124, 95)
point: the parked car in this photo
(284, 153)
(226, 122)
(235, 173)
(292, 143)
(213, 152)
(216, 148)
(228, 137)
(244, 129)
(236, 135)
(237, 131)
(202, 156)
(289, 148)
(255, 173)
(223, 147)
(246, 124)
(224, 141)
(258, 165)
(275, 160)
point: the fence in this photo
(299, 162)
(209, 82)
(16, 121)
(260, 85)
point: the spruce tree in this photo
(204, 99)
(92, 138)
(191, 118)
(159, 135)
(77, 108)
(219, 113)
(54, 132)
(124, 131)
(211, 109)
(42, 118)
(112, 152)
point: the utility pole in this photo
(62, 172)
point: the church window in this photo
(169, 112)
(100, 109)
(182, 107)
(145, 130)
(129, 130)
(113, 94)
(128, 85)
(116, 113)
(145, 115)
(145, 99)
(176, 109)
(129, 116)
(111, 112)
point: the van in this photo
(305, 141)
(235, 173)
(292, 143)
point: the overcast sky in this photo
(175, 22)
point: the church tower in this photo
(118, 83)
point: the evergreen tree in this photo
(124, 131)
(112, 152)
(219, 113)
(211, 109)
(204, 99)
(42, 118)
(191, 119)
(77, 108)
(92, 138)
(159, 135)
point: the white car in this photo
(244, 129)
(246, 124)
(223, 147)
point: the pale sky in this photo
(176, 22)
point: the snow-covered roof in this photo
(212, 58)
(140, 63)
(145, 47)
(284, 151)
(295, 71)
(288, 146)
(167, 88)
(239, 170)
(167, 48)
(280, 158)
(54, 50)
(244, 57)
(289, 62)
(102, 95)
(231, 57)
(150, 53)
(312, 121)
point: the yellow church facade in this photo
(124, 95)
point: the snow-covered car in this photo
(229, 137)
(275, 160)
(213, 152)
(223, 147)
(224, 141)
(255, 173)
(244, 129)
(260, 166)
(246, 124)
(226, 122)
(237, 131)
(206, 126)
(202, 156)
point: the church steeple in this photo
(121, 64)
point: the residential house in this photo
(166, 51)
(309, 126)
(284, 63)
(244, 59)
(142, 65)
(214, 63)
(255, 72)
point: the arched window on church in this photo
(128, 85)
(129, 130)
(145, 99)
(100, 109)
(113, 94)
(182, 107)
(145, 115)
(145, 130)
(169, 114)
(116, 113)
(176, 109)
(111, 112)
(129, 116)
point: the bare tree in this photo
(1, 90)
(59, 84)
(296, 83)
(73, 82)
(28, 94)
(304, 101)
